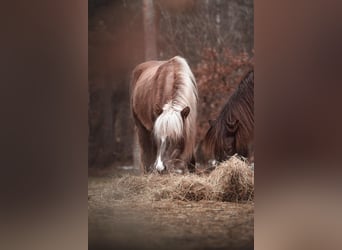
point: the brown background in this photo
(44, 125)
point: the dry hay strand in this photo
(133, 184)
(233, 180)
(191, 188)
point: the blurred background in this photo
(214, 36)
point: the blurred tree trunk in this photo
(149, 30)
(149, 21)
(218, 20)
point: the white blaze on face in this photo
(159, 164)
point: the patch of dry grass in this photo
(232, 180)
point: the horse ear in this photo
(158, 110)
(185, 112)
(211, 122)
(232, 126)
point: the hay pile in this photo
(232, 180)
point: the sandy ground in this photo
(117, 222)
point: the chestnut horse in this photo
(164, 106)
(233, 131)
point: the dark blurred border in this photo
(44, 98)
(44, 125)
(298, 124)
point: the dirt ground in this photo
(116, 221)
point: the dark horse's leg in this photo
(147, 147)
(192, 164)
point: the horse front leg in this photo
(147, 149)
(192, 164)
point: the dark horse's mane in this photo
(233, 130)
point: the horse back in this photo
(153, 83)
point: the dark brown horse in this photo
(233, 131)
(164, 107)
